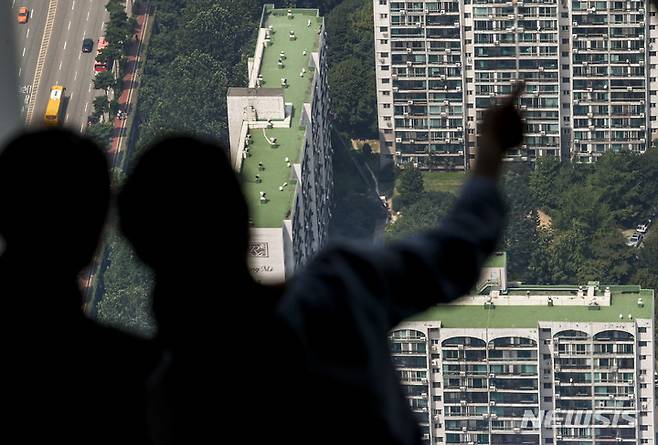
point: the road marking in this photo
(86, 106)
(69, 28)
(13, 3)
(31, 14)
(66, 117)
(23, 51)
(65, 44)
(73, 5)
(79, 55)
(76, 76)
(88, 12)
(41, 60)
(90, 88)
(20, 70)
(60, 66)
(82, 127)
(28, 33)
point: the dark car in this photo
(87, 45)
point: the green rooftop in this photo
(289, 141)
(498, 259)
(623, 301)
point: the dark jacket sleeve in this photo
(409, 276)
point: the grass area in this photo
(476, 316)
(498, 259)
(289, 141)
(443, 181)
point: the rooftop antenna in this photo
(261, 167)
(308, 24)
(258, 179)
(292, 35)
(290, 15)
(304, 53)
(282, 55)
(263, 197)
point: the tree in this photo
(647, 270)
(410, 181)
(100, 132)
(104, 81)
(101, 105)
(423, 214)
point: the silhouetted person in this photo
(305, 364)
(65, 379)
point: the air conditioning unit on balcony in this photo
(575, 141)
(463, 402)
(409, 50)
(398, 140)
(403, 12)
(464, 429)
(413, 141)
(462, 373)
(590, 115)
(575, 23)
(492, 403)
(576, 101)
(575, 50)
(574, 36)
(410, 102)
(409, 63)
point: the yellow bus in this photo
(54, 108)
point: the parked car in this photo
(642, 228)
(635, 240)
(23, 15)
(87, 45)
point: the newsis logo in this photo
(576, 418)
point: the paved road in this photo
(65, 64)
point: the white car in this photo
(635, 240)
(642, 228)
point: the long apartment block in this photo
(586, 64)
(280, 142)
(522, 364)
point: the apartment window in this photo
(644, 427)
(471, 131)
(565, 118)
(383, 2)
(547, 356)
(383, 29)
(652, 26)
(565, 41)
(383, 16)
(467, 28)
(383, 54)
(387, 118)
(387, 106)
(386, 93)
(565, 28)
(565, 80)
(652, 40)
(652, 53)
(436, 384)
(386, 80)
(565, 53)
(565, 106)
(439, 439)
(436, 398)
(468, 41)
(388, 131)
(565, 15)
(643, 386)
(547, 371)
(566, 92)
(467, 15)
(642, 330)
(384, 42)
(643, 372)
(470, 118)
(548, 399)
(470, 92)
(653, 118)
(652, 14)
(652, 93)
(565, 66)
(651, 79)
(548, 385)
(385, 68)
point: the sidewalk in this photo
(130, 83)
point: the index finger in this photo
(516, 93)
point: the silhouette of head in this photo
(54, 198)
(182, 207)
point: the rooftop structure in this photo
(529, 364)
(280, 141)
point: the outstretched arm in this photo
(406, 277)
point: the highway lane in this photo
(28, 42)
(65, 64)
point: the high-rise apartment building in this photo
(280, 142)
(528, 364)
(586, 65)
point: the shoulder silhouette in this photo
(66, 377)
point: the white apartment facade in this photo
(483, 369)
(588, 68)
(280, 142)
